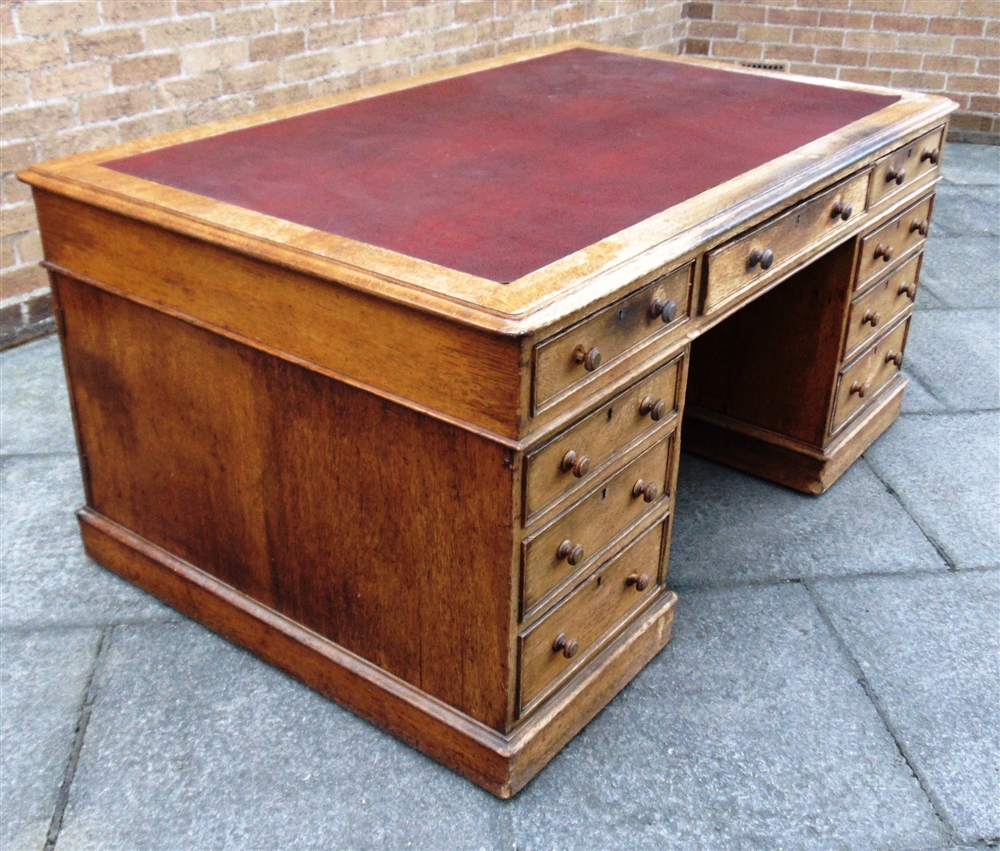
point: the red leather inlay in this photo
(504, 171)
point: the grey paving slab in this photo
(946, 470)
(926, 299)
(733, 527)
(45, 577)
(960, 272)
(43, 681)
(749, 731)
(956, 355)
(930, 648)
(34, 404)
(966, 211)
(975, 164)
(194, 743)
(917, 399)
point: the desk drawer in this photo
(882, 248)
(577, 455)
(862, 380)
(593, 345)
(878, 308)
(589, 616)
(902, 167)
(568, 544)
(772, 249)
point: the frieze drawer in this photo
(774, 248)
(590, 347)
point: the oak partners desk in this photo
(388, 387)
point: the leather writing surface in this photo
(501, 172)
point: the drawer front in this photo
(772, 249)
(882, 248)
(590, 347)
(577, 455)
(588, 616)
(568, 544)
(862, 380)
(898, 170)
(878, 308)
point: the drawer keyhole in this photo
(621, 315)
(611, 413)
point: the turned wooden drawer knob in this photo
(580, 466)
(648, 491)
(897, 174)
(861, 388)
(894, 357)
(569, 647)
(884, 251)
(765, 258)
(934, 155)
(656, 408)
(872, 316)
(590, 358)
(909, 289)
(842, 211)
(665, 310)
(639, 580)
(573, 555)
(921, 226)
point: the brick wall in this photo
(83, 74)
(950, 47)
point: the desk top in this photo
(501, 172)
(568, 171)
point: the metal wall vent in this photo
(771, 65)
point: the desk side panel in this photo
(384, 530)
(466, 374)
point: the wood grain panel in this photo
(462, 372)
(385, 531)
